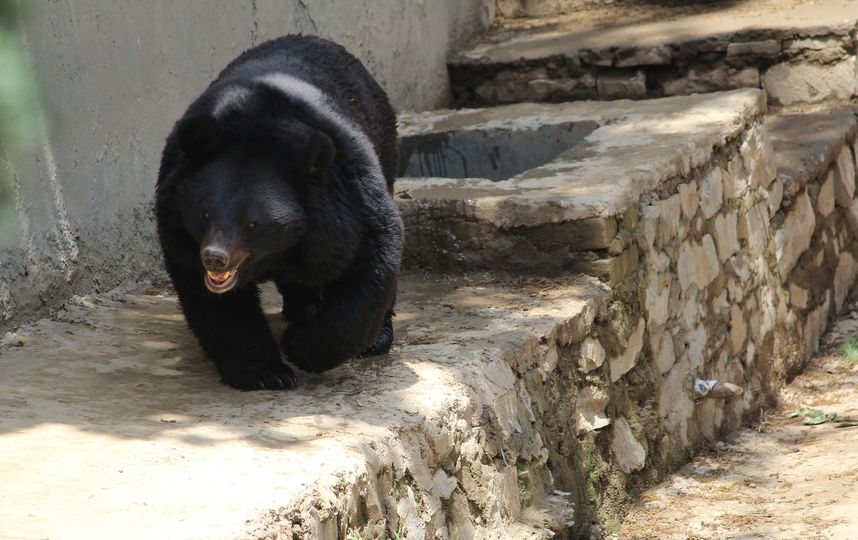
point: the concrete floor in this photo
(114, 425)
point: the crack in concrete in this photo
(305, 16)
(254, 30)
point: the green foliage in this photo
(17, 89)
(377, 531)
(18, 95)
(18, 105)
(813, 417)
(850, 351)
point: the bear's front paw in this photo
(269, 376)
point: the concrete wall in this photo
(115, 77)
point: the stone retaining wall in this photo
(729, 270)
(741, 268)
(810, 65)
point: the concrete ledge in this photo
(544, 217)
(110, 420)
(637, 146)
(806, 144)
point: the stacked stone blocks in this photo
(812, 66)
(736, 282)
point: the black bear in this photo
(283, 170)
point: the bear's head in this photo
(243, 198)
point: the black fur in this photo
(255, 168)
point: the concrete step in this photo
(568, 200)
(113, 424)
(799, 52)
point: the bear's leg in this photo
(232, 330)
(298, 302)
(348, 321)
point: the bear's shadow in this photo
(133, 370)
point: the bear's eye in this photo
(206, 215)
(251, 226)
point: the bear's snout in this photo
(215, 258)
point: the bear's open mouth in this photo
(221, 282)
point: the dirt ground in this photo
(778, 479)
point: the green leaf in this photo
(821, 418)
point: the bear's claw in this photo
(263, 377)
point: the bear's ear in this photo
(320, 154)
(199, 136)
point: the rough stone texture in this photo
(666, 355)
(711, 192)
(738, 330)
(776, 196)
(138, 435)
(628, 452)
(669, 219)
(546, 90)
(726, 236)
(621, 85)
(825, 198)
(698, 263)
(736, 181)
(754, 227)
(689, 199)
(592, 354)
(115, 78)
(798, 296)
(758, 157)
(657, 298)
(789, 84)
(590, 408)
(659, 55)
(622, 364)
(764, 48)
(674, 402)
(844, 177)
(851, 217)
(844, 277)
(794, 236)
(701, 80)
